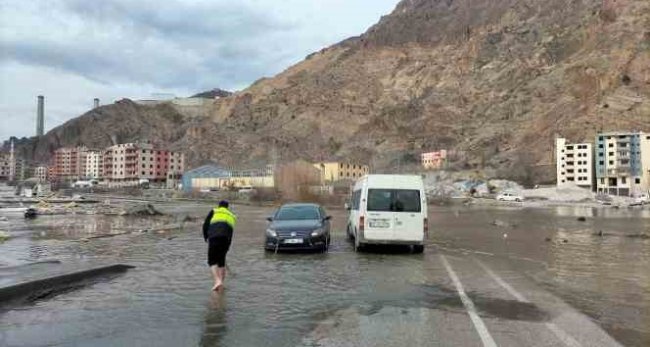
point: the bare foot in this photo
(217, 286)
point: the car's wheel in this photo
(417, 249)
(326, 246)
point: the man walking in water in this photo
(217, 232)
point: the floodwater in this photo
(327, 299)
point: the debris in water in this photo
(4, 236)
(30, 213)
(142, 210)
(582, 219)
(642, 236)
(502, 224)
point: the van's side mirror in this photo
(327, 218)
(270, 219)
(347, 206)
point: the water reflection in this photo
(215, 325)
(606, 276)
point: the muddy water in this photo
(275, 300)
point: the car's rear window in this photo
(297, 213)
(394, 200)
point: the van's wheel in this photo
(350, 236)
(358, 246)
(418, 249)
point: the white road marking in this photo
(480, 327)
(559, 333)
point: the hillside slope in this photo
(496, 80)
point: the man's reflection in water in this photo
(215, 320)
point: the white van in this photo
(388, 209)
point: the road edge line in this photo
(479, 325)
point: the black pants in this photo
(217, 249)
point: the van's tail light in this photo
(426, 227)
(362, 224)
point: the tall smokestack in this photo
(95, 102)
(40, 116)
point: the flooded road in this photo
(489, 276)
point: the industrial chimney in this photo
(95, 102)
(40, 116)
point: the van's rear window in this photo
(394, 200)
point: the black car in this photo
(298, 226)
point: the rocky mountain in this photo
(123, 121)
(495, 80)
(213, 93)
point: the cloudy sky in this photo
(72, 51)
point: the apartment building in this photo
(6, 166)
(335, 171)
(574, 163)
(434, 160)
(41, 173)
(623, 163)
(130, 162)
(69, 163)
(94, 164)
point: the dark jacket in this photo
(214, 230)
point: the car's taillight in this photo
(362, 225)
(426, 226)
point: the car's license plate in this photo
(293, 241)
(378, 223)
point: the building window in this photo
(637, 180)
(623, 180)
(611, 154)
(611, 162)
(601, 162)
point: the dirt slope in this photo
(494, 79)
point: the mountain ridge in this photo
(494, 80)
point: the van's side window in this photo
(394, 200)
(356, 200)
